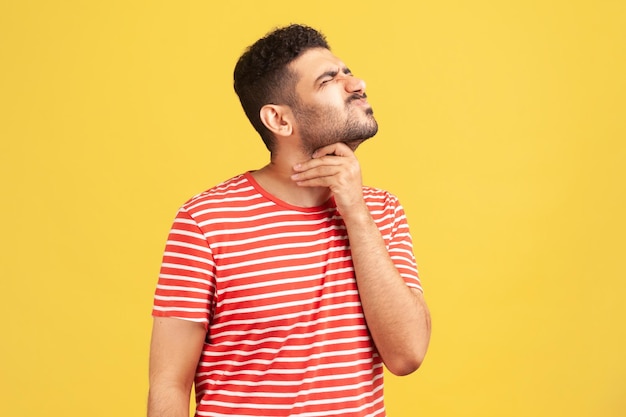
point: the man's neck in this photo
(275, 178)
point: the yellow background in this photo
(502, 132)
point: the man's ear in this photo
(278, 119)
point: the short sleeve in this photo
(401, 248)
(186, 284)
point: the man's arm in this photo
(396, 315)
(174, 354)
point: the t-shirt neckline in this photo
(329, 204)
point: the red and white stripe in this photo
(275, 287)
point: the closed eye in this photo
(327, 76)
(330, 75)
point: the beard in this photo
(324, 125)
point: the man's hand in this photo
(335, 167)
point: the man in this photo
(283, 291)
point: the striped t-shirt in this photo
(275, 288)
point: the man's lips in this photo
(359, 100)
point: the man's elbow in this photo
(405, 365)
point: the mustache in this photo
(356, 96)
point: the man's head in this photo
(262, 75)
(331, 105)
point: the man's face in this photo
(331, 103)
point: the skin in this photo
(174, 354)
(313, 160)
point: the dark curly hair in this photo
(261, 75)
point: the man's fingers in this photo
(334, 166)
(337, 149)
(315, 172)
(317, 163)
(316, 182)
(335, 154)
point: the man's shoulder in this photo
(230, 189)
(378, 195)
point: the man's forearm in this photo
(396, 315)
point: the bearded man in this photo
(284, 291)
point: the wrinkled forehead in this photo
(313, 63)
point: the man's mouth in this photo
(359, 98)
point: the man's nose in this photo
(355, 85)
